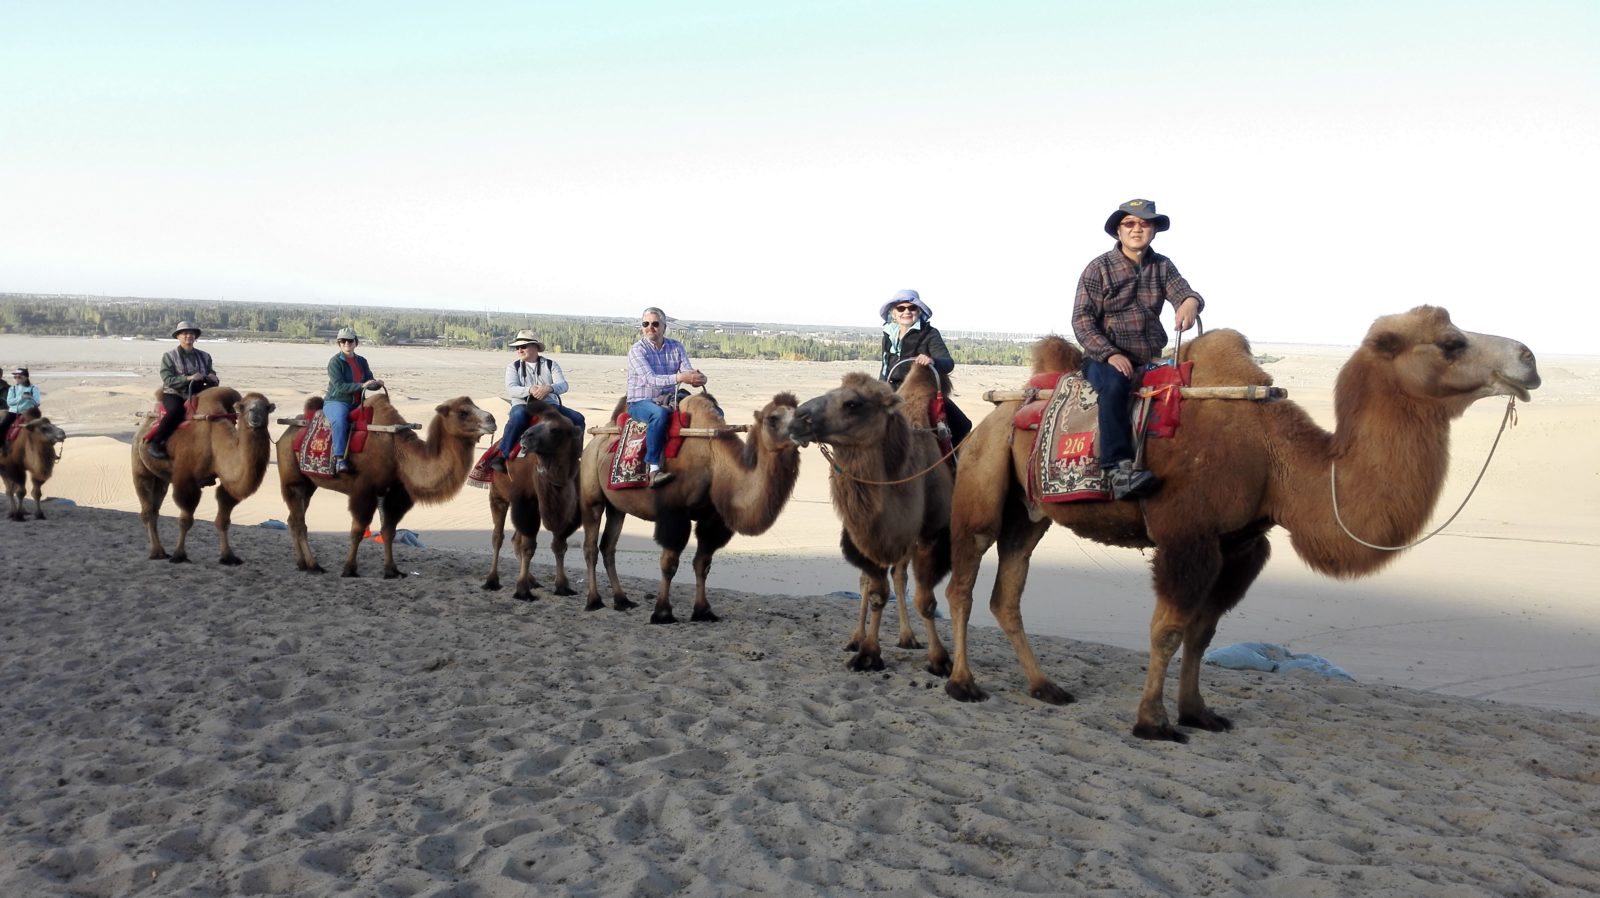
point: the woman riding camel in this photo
(908, 339)
(21, 398)
(185, 371)
(349, 376)
(531, 376)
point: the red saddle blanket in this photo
(17, 423)
(481, 475)
(628, 468)
(160, 412)
(313, 445)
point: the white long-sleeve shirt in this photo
(520, 376)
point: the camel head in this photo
(49, 432)
(852, 414)
(254, 411)
(550, 434)
(461, 418)
(772, 422)
(1421, 355)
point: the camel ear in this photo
(272, 407)
(441, 409)
(1387, 344)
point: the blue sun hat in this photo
(1145, 209)
(910, 296)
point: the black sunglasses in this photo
(650, 324)
(904, 307)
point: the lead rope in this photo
(827, 454)
(1333, 486)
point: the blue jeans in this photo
(517, 421)
(338, 415)
(657, 419)
(1116, 418)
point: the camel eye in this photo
(852, 405)
(1453, 346)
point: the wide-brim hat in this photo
(526, 338)
(910, 296)
(185, 326)
(346, 333)
(1145, 209)
(19, 370)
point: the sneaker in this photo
(498, 463)
(659, 478)
(344, 467)
(156, 450)
(1128, 482)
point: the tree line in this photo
(99, 316)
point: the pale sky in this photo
(1323, 163)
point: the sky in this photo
(800, 162)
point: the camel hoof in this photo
(863, 662)
(313, 569)
(663, 616)
(525, 595)
(1206, 720)
(230, 560)
(911, 643)
(1051, 694)
(158, 555)
(704, 615)
(939, 667)
(395, 574)
(492, 583)
(1162, 732)
(349, 572)
(623, 604)
(595, 605)
(965, 692)
(853, 645)
(180, 558)
(565, 591)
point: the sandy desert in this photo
(207, 730)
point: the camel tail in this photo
(1056, 353)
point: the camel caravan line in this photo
(1240, 460)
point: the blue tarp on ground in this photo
(1271, 658)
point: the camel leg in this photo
(899, 576)
(930, 563)
(38, 503)
(362, 507)
(297, 498)
(590, 516)
(558, 546)
(396, 502)
(497, 513)
(525, 545)
(965, 556)
(1017, 542)
(672, 534)
(608, 552)
(225, 504)
(16, 497)
(1185, 573)
(874, 597)
(152, 492)
(854, 645)
(1240, 568)
(711, 534)
(187, 497)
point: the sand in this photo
(202, 730)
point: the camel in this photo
(722, 487)
(1234, 471)
(31, 454)
(541, 484)
(892, 494)
(394, 471)
(211, 449)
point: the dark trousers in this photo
(170, 421)
(1116, 418)
(960, 424)
(519, 417)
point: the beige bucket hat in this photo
(525, 338)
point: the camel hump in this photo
(1055, 353)
(1224, 358)
(701, 409)
(383, 411)
(217, 401)
(313, 405)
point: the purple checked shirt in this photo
(652, 372)
(1118, 306)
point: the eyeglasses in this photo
(342, 342)
(905, 307)
(652, 325)
(1136, 223)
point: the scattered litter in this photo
(273, 524)
(1265, 656)
(64, 503)
(845, 594)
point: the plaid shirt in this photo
(1118, 307)
(652, 372)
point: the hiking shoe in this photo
(659, 478)
(1128, 482)
(498, 463)
(344, 467)
(157, 450)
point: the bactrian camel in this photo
(1234, 471)
(31, 454)
(723, 486)
(226, 443)
(538, 486)
(892, 492)
(394, 470)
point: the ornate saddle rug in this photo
(481, 475)
(628, 468)
(313, 445)
(1064, 461)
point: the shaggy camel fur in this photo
(396, 470)
(212, 449)
(31, 454)
(722, 487)
(893, 496)
(1235, 470)
(540, 485)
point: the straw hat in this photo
(525, 338)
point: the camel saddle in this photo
(17, 423)
(481, 475)
(1065, 460)
(313, 445)
(190, 414)
(628, 469)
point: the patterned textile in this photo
(189, 406)
(1064, 461)
(313, 446)
(1161, 384)
(481, 475)
(628, 470)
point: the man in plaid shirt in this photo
(656, 365)
(1117, 318)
